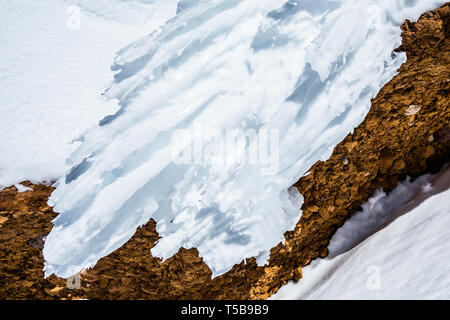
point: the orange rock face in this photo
(406, 132)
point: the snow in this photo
(21, 188)
(55, 63)
(297, 75)
(397, 247)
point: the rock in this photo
(3, 220)
(412, 110)
(54, 291)
(297, 274)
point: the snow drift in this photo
(299, 72)
(395, 248)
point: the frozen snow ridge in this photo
(295, 77)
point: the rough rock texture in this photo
(406, 132)
(25, 219)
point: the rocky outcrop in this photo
(25, 219)
(406, 133)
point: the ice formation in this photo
(298, 74)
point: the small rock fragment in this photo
(54, 291)
(297, 274)
(442, 135)
(412, 109)
(38, 242)
(3, 220)
(344, 159)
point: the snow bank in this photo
(55, 62)
(407, 257)
(296, 75)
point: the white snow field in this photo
(396, 248)
(55, 60)
(299, 72)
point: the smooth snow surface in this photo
(301, 72)
(56, 58)
(407, 257)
